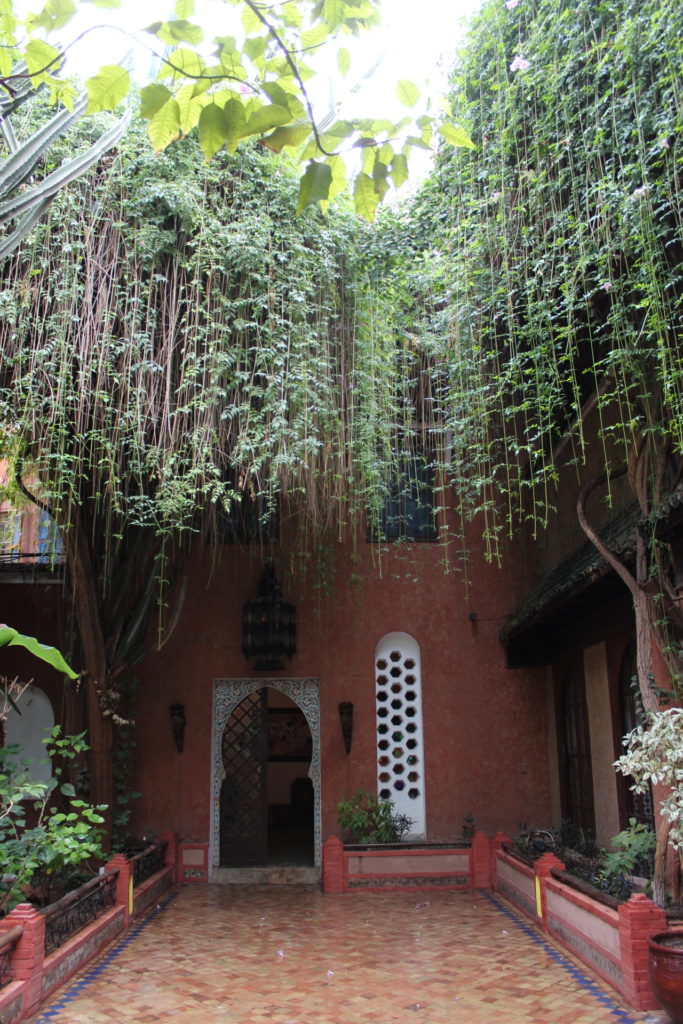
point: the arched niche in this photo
(29, 729)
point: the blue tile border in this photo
(577, 974)
(63, 1000)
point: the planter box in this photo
(517, 882)
(610, 940)
(586, 927)
(398, 866)
(148, 892)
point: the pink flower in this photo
(638, 192)
(519, 64)
(511, 4)
(606, 286)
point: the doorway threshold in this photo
(275, 874)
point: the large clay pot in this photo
(666, 971)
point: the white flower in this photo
(519, 64)
(511, 4)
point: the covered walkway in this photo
(213, 954)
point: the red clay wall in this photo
(484, 726)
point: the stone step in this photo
(275, 874)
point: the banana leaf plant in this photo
(10, 637)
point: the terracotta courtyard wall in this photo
(484, 726)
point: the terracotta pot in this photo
(666, 971)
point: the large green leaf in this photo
(455, 135)
(178, 31)
(54, 15)
(235, 120)
(107, 88)
(315, 185)
(365, 197)
(291, 135)
(271, 116)
(164, 127)
(399, 169)
(10, 637)
(183, 62)
(213, 129)
(152, 99)
(407, 92)
(39, 55)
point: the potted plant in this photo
(367, 819)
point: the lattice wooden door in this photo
(244, 807)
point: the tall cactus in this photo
(25, 207)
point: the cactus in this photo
(28, 205)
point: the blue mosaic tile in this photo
(102, 964)
(579, 976)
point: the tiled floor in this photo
(288, 955)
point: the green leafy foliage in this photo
(635, 846)
(13, 638)
(271, 62)
(367, 819)
(44, 826)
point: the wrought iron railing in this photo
(148, 862)
(77, 909)
(8, 941)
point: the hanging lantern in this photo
(269, 626)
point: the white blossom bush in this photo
(654, 754)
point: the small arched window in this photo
(400, 754)
(30, 728)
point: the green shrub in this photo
(368, 819)
(44, 827)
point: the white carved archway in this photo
(227, 694)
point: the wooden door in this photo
(244, 796)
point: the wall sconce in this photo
(346, 719)
(178, 722)
(269, 626)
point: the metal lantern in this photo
(269, 626)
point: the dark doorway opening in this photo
(267, 798)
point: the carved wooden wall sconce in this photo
(346, 719)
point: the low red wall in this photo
(612, 943)
(354, 869)
(36, 976)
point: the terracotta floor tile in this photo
(289, 955)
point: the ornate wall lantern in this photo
(269, 626)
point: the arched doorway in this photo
(265, 772)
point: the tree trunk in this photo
(648, 635)
(100, 731)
